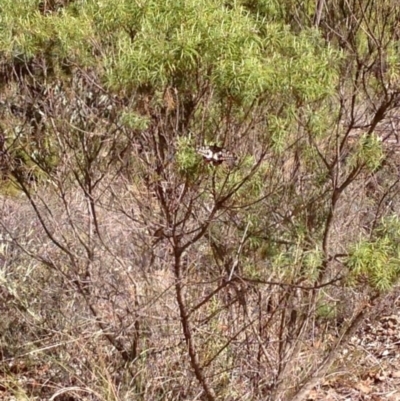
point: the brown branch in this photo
(187, 331)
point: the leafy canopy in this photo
(182, 43)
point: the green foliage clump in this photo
(62, 35)
(312, 262)
(378, 261)
(187, 159)
(135, 121)
(368, 151)
(326, 309)
(182, 44)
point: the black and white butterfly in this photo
(216, 155)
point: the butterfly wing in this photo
(216, 155)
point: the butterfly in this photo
(216, 155)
